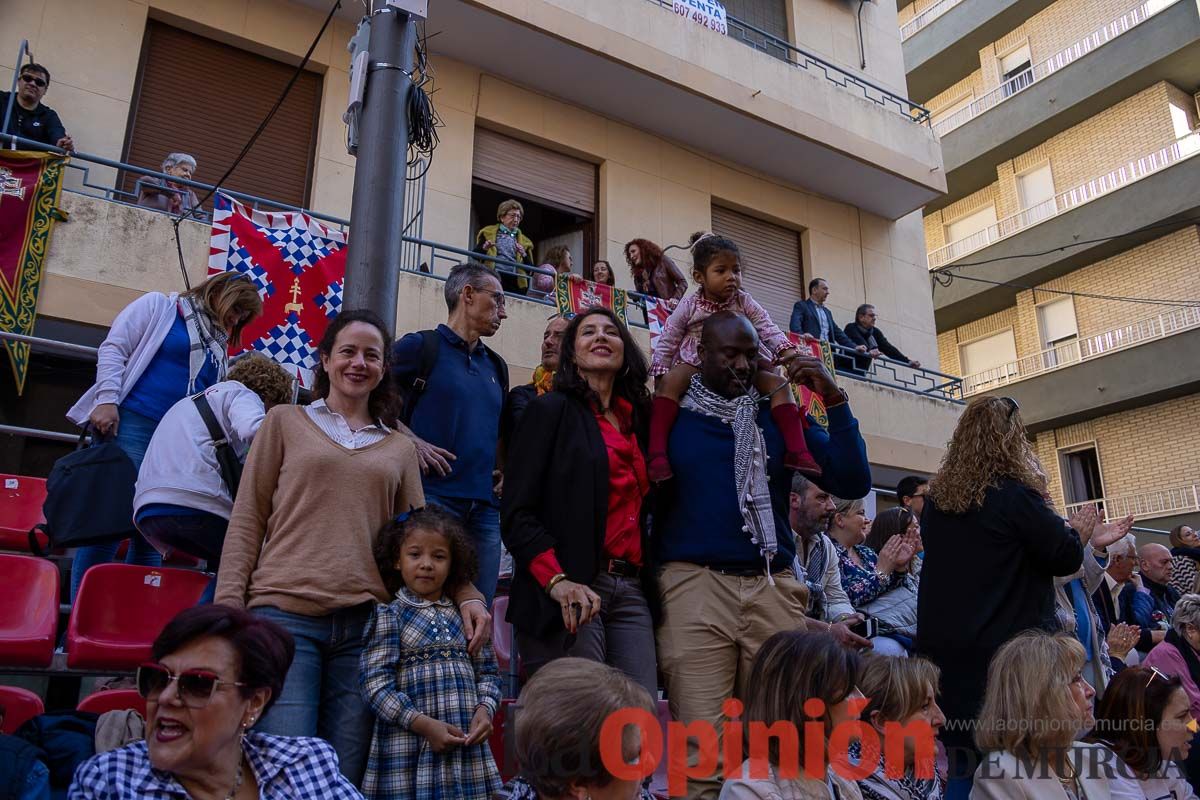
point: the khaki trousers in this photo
(712, 627)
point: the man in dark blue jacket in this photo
(722, 530)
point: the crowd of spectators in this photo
(709, 543)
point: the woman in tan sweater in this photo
(319, 484)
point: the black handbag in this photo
(227, 460)
(89, 498)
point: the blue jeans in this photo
(321, 696)
(482, 521)
(199, 535)
(133, 436)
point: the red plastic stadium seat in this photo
(496, 742)
(113, 700)
(20, 705)
(502, 633)
(21, 499)
(120, 609)
(28, 610)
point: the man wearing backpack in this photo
(454, 388)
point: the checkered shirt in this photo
(286, 768)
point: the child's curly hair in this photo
(464, 566)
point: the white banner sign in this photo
(709, 13)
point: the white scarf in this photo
(749, 460)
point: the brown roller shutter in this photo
(512, 165)
(771, 268)
(204, 98)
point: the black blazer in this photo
(805, 320)
(556, 497)
(859, 337)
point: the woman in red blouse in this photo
(572, 512)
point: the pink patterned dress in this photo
(681, 334)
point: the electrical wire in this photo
(423, 119)
(253, 138)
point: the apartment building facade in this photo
(609, 121)
(1066, 124)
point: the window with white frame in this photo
(989, 360)
(1059, 332)
(1035, 193)
(1015, 72)
(973, 226)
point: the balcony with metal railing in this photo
(1168, 323)
(1037, 72)
(1167, 502)
(421, 258)
(1127, 173)
(926, 17)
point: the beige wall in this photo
(1051, 30)
(829, 29)
(1128, 130)
(1167, 452)
(1165, 267)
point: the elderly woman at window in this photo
(505, 240)
(213, 671)
(166, 195)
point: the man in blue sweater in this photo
(724, 541)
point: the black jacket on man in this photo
(42, 124)
(556, 497)
(872, 339)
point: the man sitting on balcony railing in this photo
(864, 334)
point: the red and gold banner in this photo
(30, 184)
(573, 294)
(809, 401)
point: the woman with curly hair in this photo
(183, 500)
(654, 273)
(572, 514)
(993, 546)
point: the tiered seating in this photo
(28, 611)
(21, 499)
(496, 742)
(19, 705)
(121, 609)
(113, 700)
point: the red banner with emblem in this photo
(30, 185)
(810, 401)
(573, 294)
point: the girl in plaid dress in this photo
(432, 700)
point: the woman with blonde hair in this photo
(902, 703)
(870, 578)
(993, 547)
(1037, 706)
(160, 349)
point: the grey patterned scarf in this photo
(749, 460)
(205, 340)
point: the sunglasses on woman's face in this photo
(195, 687)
